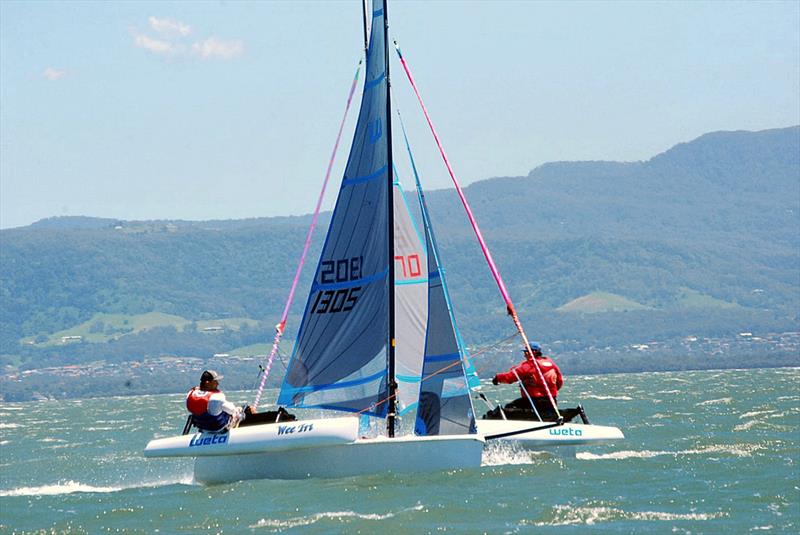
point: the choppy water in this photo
(706, 452)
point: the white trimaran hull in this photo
(323, 448)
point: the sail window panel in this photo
(444, 406)
(359, 391)
(441, 337)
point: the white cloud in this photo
(169, 27)
(156, 46)
(53, 74)
(166, 37)
(217, 48)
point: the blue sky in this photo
(209, 110)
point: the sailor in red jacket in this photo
(531, 382)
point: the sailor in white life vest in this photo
(210, 410)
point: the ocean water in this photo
(705, 452)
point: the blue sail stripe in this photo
(345, 384)
(377, 13)
(442, 358)
(414, 281)
(369, 84)
(408, 378)
(349, 284)
(367, 178)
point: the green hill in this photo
(600, 302)
(102, 328)
(703, 239)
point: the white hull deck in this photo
(550, 437)
(364, 456)
(324, 448)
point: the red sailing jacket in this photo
(197, 404)
(530, 377)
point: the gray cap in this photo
(210, 375)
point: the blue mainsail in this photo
(340, 356)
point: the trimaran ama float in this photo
(378, 336)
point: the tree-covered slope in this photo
(717, 217)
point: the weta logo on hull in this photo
(568, 431)
(200, 440)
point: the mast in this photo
(392, 382)
(364, 14)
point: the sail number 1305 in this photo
(344, 299)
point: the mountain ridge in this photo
(676, 224)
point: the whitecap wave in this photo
(69, 487)
(747, 425)
(9, 426)
(619, 455)
(570, 515)
(756, 413)
(720, 401)
(737, 450)
(620, 398)
(762, 424)
(290, 523)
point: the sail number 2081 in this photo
(344, 299)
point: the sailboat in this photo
(560, 436)
(376, 320)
